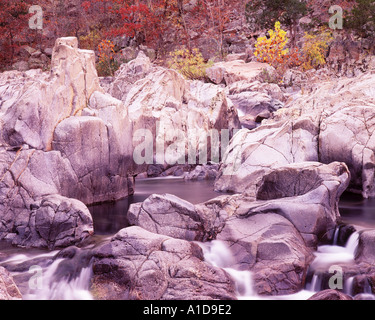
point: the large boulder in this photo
(177, 113)
(252, 154)
(168, 215)
(96, 148)
(137, 264)
(180, 116)
(272, 248)
(129, 74)
(348, 136)
(229, 72)
(266, 243)
(177, 218)
(307, 194)
(258, 105)
(205, 172)
(340, 113)
(365, 252)
(30, 177)
(34, 103)
(255, 101)
(271, 233)
(54, 222)
(75, 141)
(70, 141)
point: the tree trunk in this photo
(180, 6)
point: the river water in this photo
(111, 217)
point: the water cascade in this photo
(219, 255)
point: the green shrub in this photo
(362, 18)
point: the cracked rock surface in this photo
(272, 231)
(137, 264)
(341, 116)
(62, 135)
(8, 289)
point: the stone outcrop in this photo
(327, 121)
(96, 146)
(30, 178)
(175, 111)
(203, 172)
(174, 217)
(272, 248)
(229, 72)
(32, 105)
(8, 289)
(267, 243)
(129, 74)
(137, 264)
(54, 222)
(63, 136)
(338, 114)
(307, 194)
(252, 154)
(270, 229)
(365, 252)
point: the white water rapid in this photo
(57, 281)
(218, 254)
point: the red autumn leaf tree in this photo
(13, 27)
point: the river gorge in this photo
(70, 281)
(260, 191)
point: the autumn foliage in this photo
(134, 19)
(166, 26)
(189, 63)
(274, 51)
(162, 25)
(107, 64)
(13, 23)
(315, 49)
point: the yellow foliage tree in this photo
(91, 40)
(315, 49)
(190, 64)
(272, 50)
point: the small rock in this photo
(26, 51)
(21, 66)
(330, 295)
(48, 52)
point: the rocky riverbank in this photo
(69, 140)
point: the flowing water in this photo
(218, 255)
(327, 262)
(357, 211)
(61, 280)
(41, 276)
